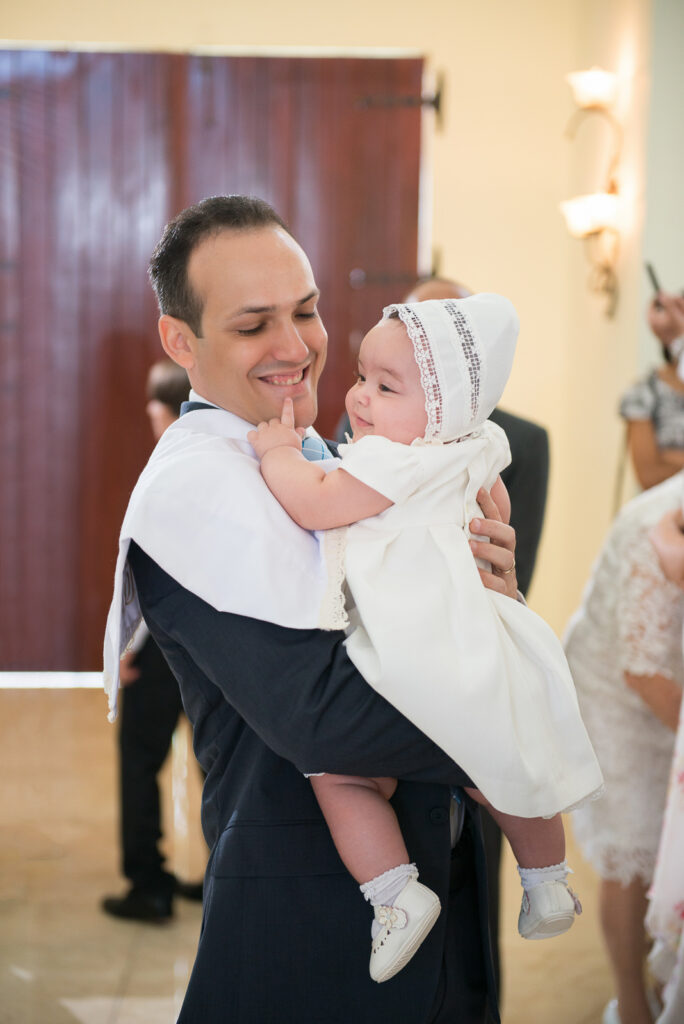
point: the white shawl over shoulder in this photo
(203, 513)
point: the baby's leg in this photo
(536, 842)
(362, 823)
(549, 905)
(368, 838)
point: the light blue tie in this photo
(313, 449)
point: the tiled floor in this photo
(63, 961)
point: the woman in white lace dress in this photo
(665, 918)
(624, 646)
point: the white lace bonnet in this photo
(464, 349)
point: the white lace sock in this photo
(383, 890)
(531, 877)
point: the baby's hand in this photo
(277, 433)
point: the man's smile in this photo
(284, 380)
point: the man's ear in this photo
(178, 341)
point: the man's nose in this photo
(289, 346)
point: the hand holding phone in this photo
(655, 282)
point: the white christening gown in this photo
(479, 673)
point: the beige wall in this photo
(664, 228)
(498, 170)
(600, 354)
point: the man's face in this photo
(262, 338)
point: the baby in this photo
(481, 674)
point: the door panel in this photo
(97, 152)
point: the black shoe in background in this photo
(140, 905)
(189, 890)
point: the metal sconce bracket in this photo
(603, 248)
(598, 230)
(579, 117)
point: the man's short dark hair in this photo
(168, 382)
(168, 269)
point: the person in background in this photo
(654, 407)
(667, 537)
(624, 647)
(151, 708)
(665, 917)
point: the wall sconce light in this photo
(593, 88)
(585, 215)
(595, 217)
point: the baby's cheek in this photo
(348, 399)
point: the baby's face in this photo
(388, 398)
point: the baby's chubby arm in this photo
(316, 500)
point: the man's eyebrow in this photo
(307, 298)
(272, 309)
(253, 309)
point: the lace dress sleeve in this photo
(649, 612)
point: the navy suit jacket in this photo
(527, 480)
(286, 934)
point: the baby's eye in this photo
(360, 378)
(384, 387)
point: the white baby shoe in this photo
(548, 909)
(402, 929)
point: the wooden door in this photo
(97, 152)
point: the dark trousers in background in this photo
(150, 712)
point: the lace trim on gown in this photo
(429, 376)
(333, 610)
(596, 795)
(431, 373)
(471, 352)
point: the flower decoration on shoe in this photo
(390, 917)
(403, 929)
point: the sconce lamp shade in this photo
(590, 214)
(593, 88)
